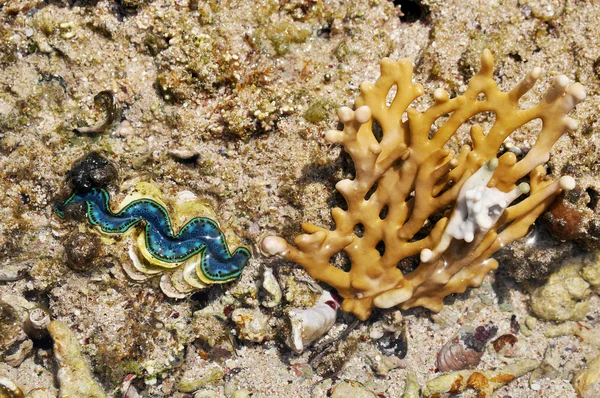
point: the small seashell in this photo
(311, 323)
(36, 322)
(105, 99)
(505, 345)
(81, 250)
(184, 154)
(465, 350)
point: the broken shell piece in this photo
(465, 349)
(185, 196)
(106, 99)
(506, 345)
(272, 288)
(17, 353)
(14, 343)
(311, 323)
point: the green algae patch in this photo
(215, 376)
(318, 111)
(282, 34)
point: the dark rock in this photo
(81, 250)
(91, 171)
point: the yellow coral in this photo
(414, 176)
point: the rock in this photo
(587, 381)
(411, 387)
(253, 325)
(549, 368)
(74, 375)
(91, 171)
(243, 393)
(383, 364)
(14, 269)
(81, 249)
(206, 394)
(215, 375)
(484, 381)
(535, 256)
(565, 296)
(351, 389)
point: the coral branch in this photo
(414, 177)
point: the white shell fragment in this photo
(272, 288)
(311, 323)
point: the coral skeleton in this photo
(413, 197)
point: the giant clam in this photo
(190, 259)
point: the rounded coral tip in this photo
(567, 183)
(345, 114)
(362, 114)
(426, 255)
(273, 245)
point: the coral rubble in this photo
(484, 382)
(566, 294)
(406, 176)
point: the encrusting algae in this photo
(406, 177)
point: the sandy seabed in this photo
(231, 101)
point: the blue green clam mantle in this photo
(200, 235)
